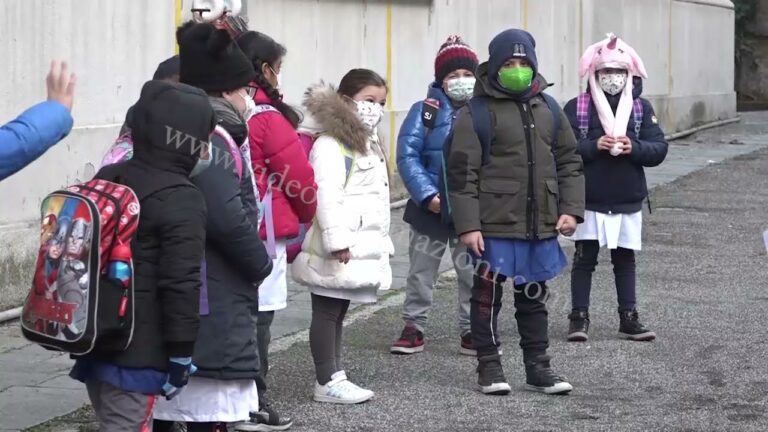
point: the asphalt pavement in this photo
(702, 279)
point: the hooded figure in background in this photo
(167, 252)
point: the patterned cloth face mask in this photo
(612, 82)
(369, 113)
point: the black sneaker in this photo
(540, 377)
(266, 419)
(579, 326)
(631, 328)
(490, 378)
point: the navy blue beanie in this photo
(512, 43)
(167, 69)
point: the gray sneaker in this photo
(490, 378)
(540, 377)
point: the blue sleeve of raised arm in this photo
(410, 146)
(31, 134)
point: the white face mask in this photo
(612, 82)
(203, 164)
(278, 77)
(250, 106)
(460, 89)
(369, 113)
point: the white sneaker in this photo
(339, 390)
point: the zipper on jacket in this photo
(532, 210)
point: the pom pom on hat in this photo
(453, 55)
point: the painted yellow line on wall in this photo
(525, 14)
(670, 79)
(178, 22)
(390, 103)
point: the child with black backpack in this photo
(619, 134)
(514, 181)
(167, 250)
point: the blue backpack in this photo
(481, 120)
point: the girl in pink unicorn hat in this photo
(618, 135)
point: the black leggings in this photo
(584, 263)
(167, 426)
(325, 335)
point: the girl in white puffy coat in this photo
(345, 255)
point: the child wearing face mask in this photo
(223, 390)
(618, 135)
(420, 164)
(345, 256)
(513, 189)
(285, 182)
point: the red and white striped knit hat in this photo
(454, 54)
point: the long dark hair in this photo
(358, 79)
(262, 49)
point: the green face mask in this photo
(516, 79)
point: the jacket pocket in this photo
(552, 210)
(501, 201)
(359, 176)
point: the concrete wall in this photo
(115, 45)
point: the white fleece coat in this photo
(355, 216)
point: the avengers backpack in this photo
(81, 298)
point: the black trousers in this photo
(531, 314)
(584, 263)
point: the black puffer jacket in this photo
(168, 247)
(236, 262)
(617, 184)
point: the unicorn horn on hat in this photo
(223, 14)
(611, 52)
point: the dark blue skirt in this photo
(524, 261)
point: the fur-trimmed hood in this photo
(328, 108)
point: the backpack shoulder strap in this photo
(554, 107)
(350, 157)
(582, 113)
(429, 109)
(262, 108)
(234, 151)
(637, 111)
(481, 120)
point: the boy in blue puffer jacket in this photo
(419, 161)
